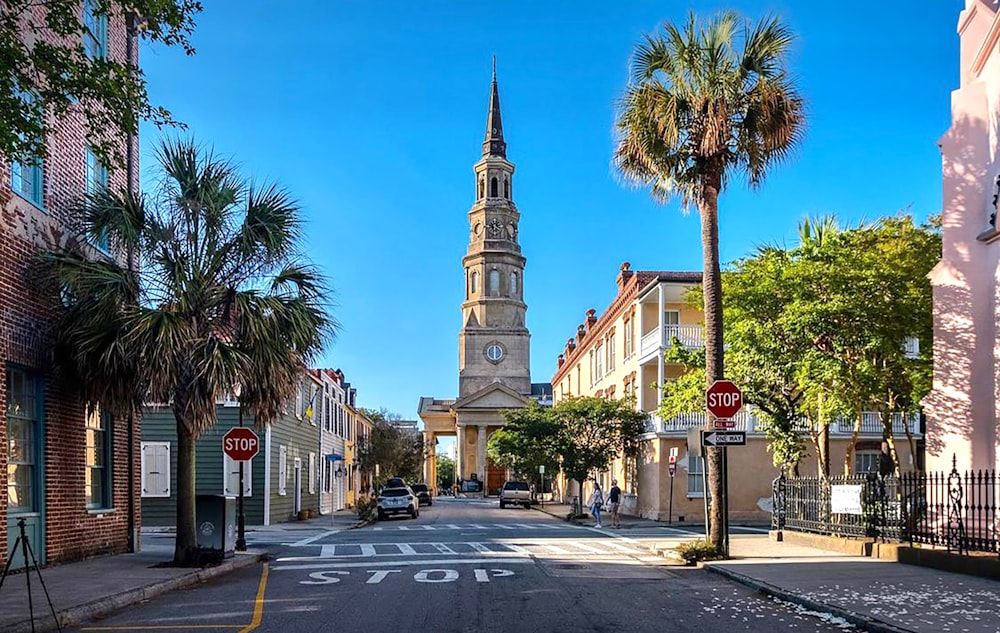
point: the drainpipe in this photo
(131, 31)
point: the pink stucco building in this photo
(963, 409)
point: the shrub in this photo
(700, 550)
(366, 507)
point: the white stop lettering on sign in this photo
(723, 399)
(240, 444)
(450, 575)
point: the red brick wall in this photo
(25, 333)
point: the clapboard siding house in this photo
(281, 480)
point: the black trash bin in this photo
(216, 519)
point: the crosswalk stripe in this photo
(587, 548)
(514, 548)
(444, 549)
(527, 526)
(367, 549)
(406, 548)
(328, 551)
(504, 527)
(619, 547)
(555, 549)
(475, 526)
(479, 547)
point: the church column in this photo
(481, 457)
(460, 453)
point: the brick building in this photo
(68, 465)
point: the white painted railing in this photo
(746, 420)
(690, 336)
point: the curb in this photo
(864, 622)
(83, 612)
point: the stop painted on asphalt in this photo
(432, 576)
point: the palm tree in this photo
(705, 101)
(207, 293)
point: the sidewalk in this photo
(872, 594)
(83, 590)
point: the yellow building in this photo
(620, 353)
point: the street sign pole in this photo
(725, 500)
(241, 518)
(723, 399)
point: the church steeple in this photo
(494, 144)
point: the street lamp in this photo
(241, 518)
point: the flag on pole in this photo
(309, 407)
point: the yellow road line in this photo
(258, 607)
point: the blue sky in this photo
(372, 114)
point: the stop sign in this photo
(724, 399)
(240, 443)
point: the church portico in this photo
(494, 342)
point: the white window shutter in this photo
(312, 473)
(155, 469)
(282, 470)
(231, 478)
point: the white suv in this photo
(397, 501)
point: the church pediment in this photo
(494, 396)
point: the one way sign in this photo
(723, 438)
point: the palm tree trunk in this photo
(712, 291)
(186, 544)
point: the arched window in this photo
(493, 188)
(513, 285)
(482, 187)
(474, 283)
(494, 287)
(506, 188)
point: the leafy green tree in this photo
(396, 451)
(445, 467)
(46, 69)
(213, 295)
(529, 438)
(593, 432)
(708, 101)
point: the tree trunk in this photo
(823, 450)
(186, 543)
(890, 440)
(859, 416)
(714, 367)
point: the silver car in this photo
(400, 500)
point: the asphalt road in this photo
(465, 566)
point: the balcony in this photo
(690, 336)
(747, 420)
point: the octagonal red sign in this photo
(240, 443)
(724, 399)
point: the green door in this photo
(24, 464)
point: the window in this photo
(493, 188)
(591, 356)
(494, 286)
(98, 453)
(695, 465)
(513, 285)
(95, 38)
(312, 473)
(482, 187)
(628, 336)
(579, 385)
(671, 324)
(866, 461)
(611, 351)
(282, 470)
(23, 422)
(231, 482)
(96, 182)
(155, 469)
(506, 188)
(26, 176)
(474, 283)
(600, 361)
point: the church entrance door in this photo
(495, 476)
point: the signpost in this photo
(672, 469)
(241, 445)
(724, 399)
(541, 483)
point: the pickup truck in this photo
(515, 493)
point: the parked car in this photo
(516, 493)
(400, 500)
(423, 494)
(395, 482)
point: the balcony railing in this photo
(690, 336)
(747, 420)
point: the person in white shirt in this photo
(596, 502)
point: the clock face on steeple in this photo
(494, 352)
(494, 228)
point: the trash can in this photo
(216, 519)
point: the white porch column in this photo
(481, 457)
(660, 302)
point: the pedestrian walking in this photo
(596, 502)
(615, 499)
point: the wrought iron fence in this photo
(954, 510)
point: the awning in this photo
(334, 457)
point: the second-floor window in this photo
(628, 336)
(600, 361)
(26, 174)
(95, 36)
(96, 182)
(611, 351)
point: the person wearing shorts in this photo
(615, 499)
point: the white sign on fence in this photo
(845, 499)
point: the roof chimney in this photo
(624, 274)
(591, 317)
(581, 332)
(561, 361)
